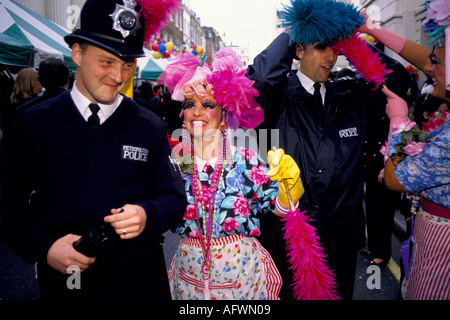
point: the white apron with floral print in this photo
(242, 270)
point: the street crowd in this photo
(92, 176)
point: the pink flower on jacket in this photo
(241, 206)
(230, 224)
(194, 234)
(414, 148)
(400, 127)
(384, 151)
(258, 175)
(248, 154)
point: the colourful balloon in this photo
(162, 48)
(199, 49)
(166, 55)
(169, 45)
(194, 52)
(368, 38)
(157, 55)
(154, 47)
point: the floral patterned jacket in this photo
(245, 192)
(429, 172)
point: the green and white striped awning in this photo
(150, 68)
(30, 29)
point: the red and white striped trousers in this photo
(430, 273)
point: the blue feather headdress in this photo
(324, 21)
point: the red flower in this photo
(230, 224)
(258, 175)
(241, 206)
(190, 214)
(172, 142)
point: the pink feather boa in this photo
(312, 278)
(157, 15)
(366, 62)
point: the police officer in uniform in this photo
(322, 125)
(97, 164)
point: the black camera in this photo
(95, 240)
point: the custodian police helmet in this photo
(113, 25)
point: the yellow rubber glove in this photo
(283, 167)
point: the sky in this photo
(246, 23)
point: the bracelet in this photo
(283, 209)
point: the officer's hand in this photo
(128, 221)
(62, 255)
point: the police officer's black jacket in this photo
(327, 143)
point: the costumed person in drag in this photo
(418, 160)
(87, 184)
(228, 188)
(322, 124)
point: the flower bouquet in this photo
(408, 139)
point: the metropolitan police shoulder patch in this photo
(134, 153)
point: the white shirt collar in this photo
(308, 84)
(201, 163)
(212, 162)
(82, 103)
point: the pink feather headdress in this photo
(231, 88)
(180, 71)
(157, 15)
(366, 62)
(234, 91)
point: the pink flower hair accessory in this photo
(437, 22)
(226, 59)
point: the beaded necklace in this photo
(206, 199)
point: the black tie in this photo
(317, 94)
(93, 119)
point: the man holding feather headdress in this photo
(322, 124)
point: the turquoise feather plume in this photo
(324, 21)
